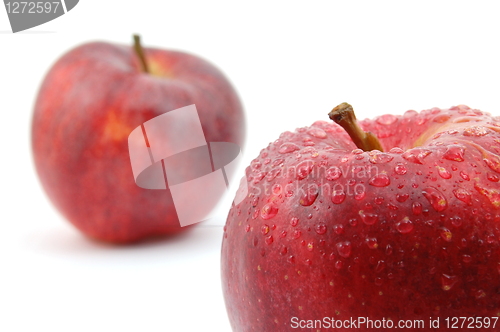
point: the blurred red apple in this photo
(90, 101)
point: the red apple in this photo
(334, 236)
(90, 101)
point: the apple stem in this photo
(140, 53)
(344, 116)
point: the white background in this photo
(290, 61)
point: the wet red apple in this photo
(397, 222)
(90, 101)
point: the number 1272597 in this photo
(31, 7)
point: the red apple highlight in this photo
(405, 231)
(90, 101)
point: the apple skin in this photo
(88, 104)
(411, 233)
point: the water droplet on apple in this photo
(278, 162)
(462, 109)
(255, 214)
(258, 177)
(386, 119)
(368, 218)
(388, 250)
(294, 221)
(463, 242)
(446, 234)
(378, 281)
(296, 234)
(320, 228)
(269, 211)
(405, 226)
(416, 208)
(463, 195)
(264, 229)
(448, 281)
(339, 229)
(455, 153)
(441, 118)
(372, 243)
(456, 221)
(359, 157)
(357, 151)
(308, 141)
(396, 150)
(269, 240)
(314, 153)
(255, 165)
(476, 131)
(493, 195)
(247, 228)
(392, 206)
(333, 173)
(492, 177)
(400, 169)
(255, 201)
(288, 148)
(420, 121)
(276, 189)
(273, 174)
(466, 258)
(309, 196)
(360, 195)
(443, 172)
(381, 158)
(380, 266)
(344, 249)
(435, 198)
(339, 265)
(410, 114)
(317, 132)
(304, 169)
(492, 160)
(490, 239)
(310, 246)
(338, 196)
(380, 180)
(416, 155)
(402, 197)
(465, 176)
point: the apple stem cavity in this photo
(140, 54)
(344, 116)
